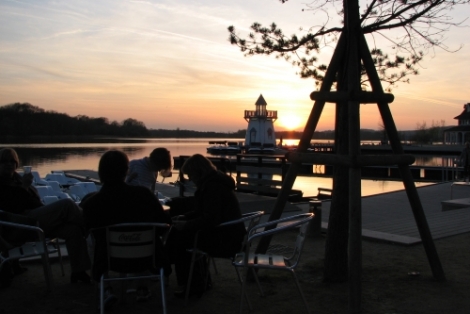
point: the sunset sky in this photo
(170, 65)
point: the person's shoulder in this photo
(141, 190)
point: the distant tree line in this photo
(178, 133)
(23, 120)
(431, 134)
(26, 120)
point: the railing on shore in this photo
(419, 173)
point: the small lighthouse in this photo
(260, 131)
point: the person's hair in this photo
(9, 153)
(113, 166)
(467, 144)
(161, 158)
(197, 166)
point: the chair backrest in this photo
(249, 219)
(16, 229)
(273, 227)
(131, 246)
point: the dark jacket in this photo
(121, 203)
(213, 203)
(15, 199)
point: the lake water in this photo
(47, 157)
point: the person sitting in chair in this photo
(62, 219)
(117, 202)
(213, 203)
(145, 171)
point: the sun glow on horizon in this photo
(289, 121)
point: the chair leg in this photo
(124, 285)
(47, 271)
(191, 270)
(56, 244)
(300, 291)
(59, 253)
(240, 279)
(242, 292)
(214, 265)
(162, 287)
(257, 282)
(46, 265)
(102, 295)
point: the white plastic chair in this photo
(131, 250)
(255, 261)
(251, 219)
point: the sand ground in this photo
(387, 287)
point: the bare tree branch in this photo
(423, 24)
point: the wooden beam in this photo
(362, 97)
(408, 181)
(358, 161)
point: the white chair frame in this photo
(31, 249)
(142, 247)
(251, 219)
(255, 261)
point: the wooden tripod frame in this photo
(352, 48)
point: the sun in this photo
(289, 121)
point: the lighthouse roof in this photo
(261, 101)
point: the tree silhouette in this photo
(423, 25)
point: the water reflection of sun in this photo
(289, 121)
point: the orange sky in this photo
(170, 65)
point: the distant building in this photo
(260, 131)
(459, 134)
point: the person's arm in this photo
(212, 202)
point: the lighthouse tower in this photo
(260, 131)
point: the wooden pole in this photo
(405, 172)
(352, 26)
(304, 143)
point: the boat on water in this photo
(224, 148)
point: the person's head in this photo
(113, 167)
(197, 167)
(9, 161)
(160, 158)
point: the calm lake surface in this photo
(68, 156)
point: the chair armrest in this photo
(288, 224)
(22, 237)
(245, 217)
